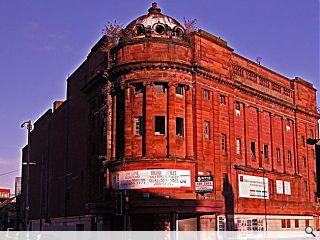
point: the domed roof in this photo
(155, 24)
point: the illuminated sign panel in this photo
(151, 178)
(4, 193)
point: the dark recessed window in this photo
(160, 29)
(303, 141)
(223, 143)
(138, 121)
(206, 95)
(253, 150)
(206, 129)
(160, 88)
(178, 32)
(305, 183)
(289, 158)
(138, 88)
(139, 30)
(237, 106)
(222, 99)
(179, 90)
(266, 152)
(159, 125)
(304, 161)
(278, 155)
(179, 126)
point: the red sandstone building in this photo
(196, 136)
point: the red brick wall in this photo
(267, 117)
(267, 100)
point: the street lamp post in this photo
(316, 142)
(27, 164)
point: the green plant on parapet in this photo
(115, 33)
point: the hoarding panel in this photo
(253, 187)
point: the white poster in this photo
(151, 178)
(279, 185)
(253, 187)
(287, 188)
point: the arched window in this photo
(139, 30)
(178, 32)
(160, 29)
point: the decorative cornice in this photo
(116, 71)
(147, 65)
(253, 92)
(151, 39)
(263, 171)
(146, 161)
(237, 68)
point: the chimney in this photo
(56, 105)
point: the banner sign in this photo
(287, 188)
(204, 184)
(253, 187)
(151, 178)
(279, 185)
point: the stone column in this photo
(189, 123)
(272, 139)
(294, 155)
(283, 119)
(171, 120)
(128, 131)
(260, 146)
(114, 123)
(149, 119)
(246, 155)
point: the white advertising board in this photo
(151, 178)
(253, 187)
(287, 188)
(279, 185)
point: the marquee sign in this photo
(151, 178)
(204, 184)
(253, 187)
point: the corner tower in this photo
(153, 156)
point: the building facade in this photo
(169, 129)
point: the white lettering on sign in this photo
(151, 178)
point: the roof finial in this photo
(154, 8)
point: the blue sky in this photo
(41, 42)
